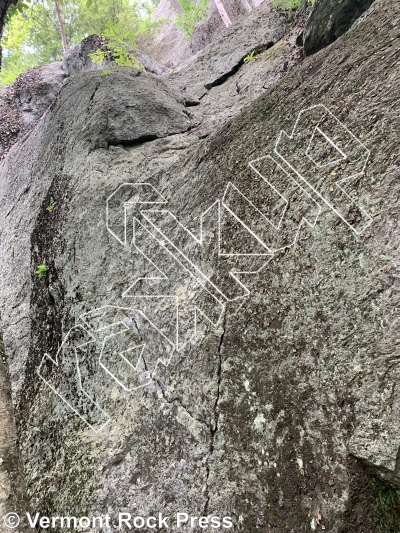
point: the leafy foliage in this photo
(117, 53)
(13, 9)
(117, 48)
(192, 14)
(42, 271)
(32, 34)
(51, 205)
(249, 57)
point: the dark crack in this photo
(214, 423)
(133, 142)
(94, 92)
(145, 364)
(142, 139)
(222, 79)
(136, 326)
(397, 467)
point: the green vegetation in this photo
(292, 5)
(39, 31)
(249, 57)
(267, 54)
(192, 14)
(386, 500)
(51, 205)
(117, 39)
(42, 272)
(14, 9)
(33, 33)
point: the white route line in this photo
(200, 241)
(337, 183)
(146, 209)
(56, 363)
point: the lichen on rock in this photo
(282, 411)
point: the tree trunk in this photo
(61, 26)
(13, 497)
(222, 11)
(4, 5)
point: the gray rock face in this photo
(282, 411)
(128, 108)
(260, 31)
(329, 20)
(25, 101)
(77, 58)
(211, 30)
(12, 483)
(172, 49)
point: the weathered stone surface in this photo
(25, 101)
(12, 482)
(243, 81)
(78, 58)
(273, 415)
(126, 107)
(259, 31)
(329, 20)
(172, 49)
(211, 30)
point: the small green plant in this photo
(51, 205)
(249, 57)
(42, 272)
(98, 57)
(115, 50)
(118, 54)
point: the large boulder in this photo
(276, 398)
(329, 20)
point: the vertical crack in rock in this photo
(173, 400)
(94, 92)
(214, 422)
(137, 327)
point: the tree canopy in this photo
(32, 33)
